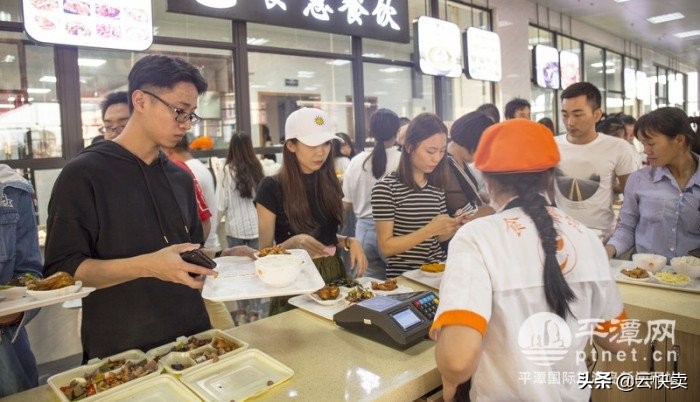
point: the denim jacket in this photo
(19, 254)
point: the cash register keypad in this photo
(427, 305)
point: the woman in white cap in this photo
(524, 288)
(301, 207)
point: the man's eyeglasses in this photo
(180, 115)
(116, 130)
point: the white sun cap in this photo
(310, 126)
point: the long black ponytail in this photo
(527, 186)
(383, 125)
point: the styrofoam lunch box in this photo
(63, 379)
(162, 388)
(197, 357)
(243, 376)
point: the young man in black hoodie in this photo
(120, 214)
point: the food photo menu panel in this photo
(124, 24)
(482, 54)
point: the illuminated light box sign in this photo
(643, 88)
(570, 68)
(439, 47)
(546, 66)
(124, 24)
(376, 19)
(482, 54)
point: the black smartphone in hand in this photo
(198, 257)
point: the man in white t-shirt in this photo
(590, 161)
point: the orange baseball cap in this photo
(516, 146)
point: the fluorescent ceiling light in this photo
(258, 86)
(8, 58)
(338, 62)
(620, 1)
(91, 62)
(373, 55)
(306, 74)
(47, 78)
(310, 88)
(218, 3)
(256, 41)
(687, 34)
(6, 106)
(391, 70)
(11, 98)
(38, 90)
(664, 18)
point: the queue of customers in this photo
(123, 210)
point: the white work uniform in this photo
(494, 279)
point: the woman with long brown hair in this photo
(301, 207)
(236, 192)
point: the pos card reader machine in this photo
(398, 320)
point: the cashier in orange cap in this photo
(516, 282)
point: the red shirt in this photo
(202, 208)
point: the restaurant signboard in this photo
(482, 53)
(126, 24)
(377, 19)
(439, 47)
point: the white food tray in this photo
(618, 265)
(59, 380)
(237, 280)
(427, 279)
(305, 302)
(239, 378)
(167, 357)
(163, 388)
(11, 306)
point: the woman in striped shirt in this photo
(409, 206)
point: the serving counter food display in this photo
(333, 364)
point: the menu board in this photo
(630, 77)
(482, 50)
(124, 24)
(439, 47)
(570, 68)
(546, 65)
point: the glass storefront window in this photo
(542, 105)
(377, 49)
(105, 71)
(281, 84)
(593, 67)
(613, 71)
(30, 122)
(398, 88)
(613, 103)
(10, 10)
(189, 26)
(291, 38)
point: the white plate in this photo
(624, 277)
(306, 303)
(13, 292)
(687, 282)
(237, 280)
(332, 302)
(417, 276)
(367, 284)
(47, 294)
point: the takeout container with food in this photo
(686, 265)
(649, 262)
(243, 376)
(163, 387)
(103, 377)
(188, 353)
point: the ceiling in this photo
(628, 20)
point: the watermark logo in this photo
(544, 338)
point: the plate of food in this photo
(636, 275)
(672, 279)
(433, 269)
(328, 295)
(58, 284)
(387, 287)
(12, 292)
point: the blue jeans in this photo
(18, 369)
(366, 233)
(234, 241)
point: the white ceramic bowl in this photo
(686, 265)
(279, 270)
(649, 262)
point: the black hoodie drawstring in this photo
(153, 200)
